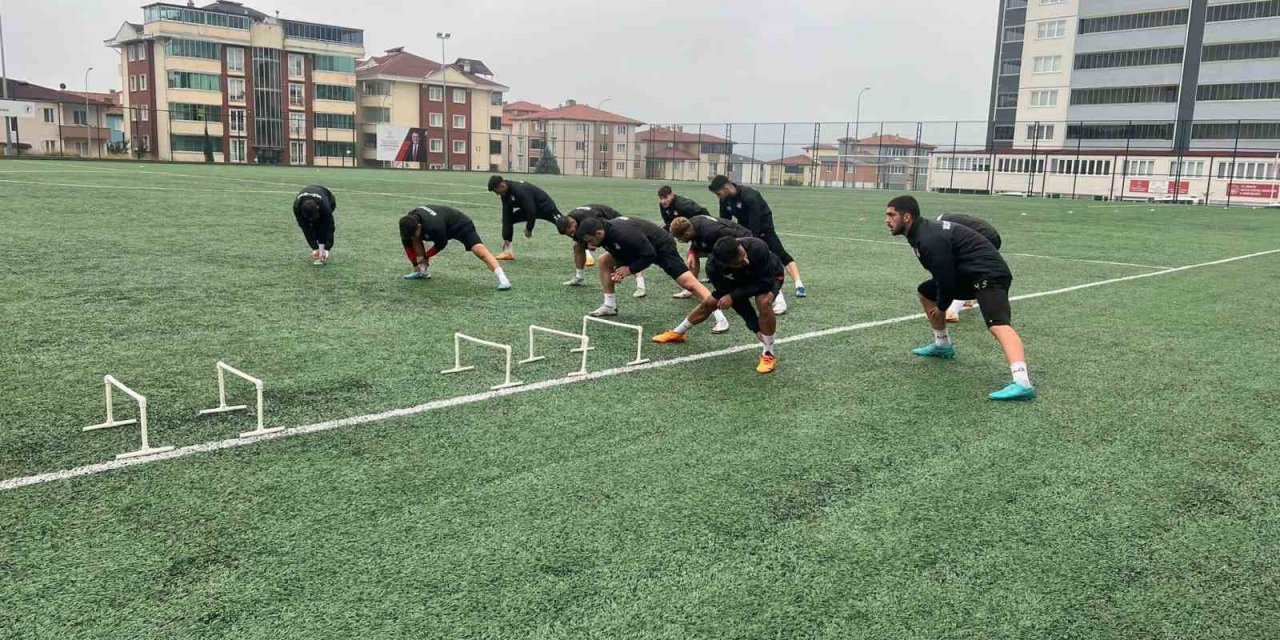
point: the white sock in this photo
(502, 276)
(611, 300)
(799, 284)
(956, 306)
(941, 338)
(779, 300)
(768, 343)
(579, 273)
(1020, 376)
(718, 316)
(640, 281)
(683, 327)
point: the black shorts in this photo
(992, 295)
(465, 232)
(771, 238)
(745, 303)
(669, 260)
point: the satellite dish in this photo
(63, 86)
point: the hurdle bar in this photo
(639, 335)
(223, 407)
(108, 382)
(583, 348)
(457, 358)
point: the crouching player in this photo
(568, 226)
(632, 246)
(439, 224)
(313, 208)
(747, 276)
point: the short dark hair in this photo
(664, 191)
(725, 250)
(310, 208)
(589, 227)
(717, 183)
(906, 204)
(494, 181)
(562, 225)
(409, 226)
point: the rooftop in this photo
(580, 112)
(887, 140)
(22, 90)
(398, 62)
(678, 134)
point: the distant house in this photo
(883, 162)
(671, 153)
(63, 122)
(586, 141)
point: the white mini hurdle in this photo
(223, 407)
(639, 336)
(457, 358)
(584, 345)
(146, 450)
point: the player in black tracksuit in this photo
(987, 231)
(632, 246)
(438, 224)
(567, 225)
(672, 206)
(313, 208)
(749, 208)
(746, 275)
(963, 263)
(521, 202)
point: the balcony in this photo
(73, 132)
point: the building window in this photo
(133, 52)
(324, 33)
(196, 81)
(1187, 168)
(1130, 58)
(1156, 131)
(1039, 131)
(621, 130)
(1051, 29)
(1241, 91)
(1241, 51)
(337, 64)
(296, 66)
(435, 119)
(338, 92)
(170, 13)
(1048, 2)
(435, 93)
(604, 129)
(459, 146)
(376, 114)
(297, 95)
(50, 146)
(195, 112)
(1011, 67)
(235, 60)
(236, 122)
(48, 115)
(297, 125)
(580, 165)
(376, 87)
(369, 140)
(579, 146)
(622, 166)
(603, 165)
(460, 96)
(1048, 64)
(325, 148)
(1044, 98)
(459, 122)
(144, 113)
(146, 143)
(239, 149)
(297, 152)
(436, 145)
(495, 147)
(180, 48)
(1006, 101)
(1141, 167)
(195, 144)
(1014, 34)
(1229, 131)
(235, 89)
(133, 83)
(1125, 95)
(495, 123)
(335, 121)
(459, 167)
(1244, 11)
(620, 148)
(80, 117)
(495, 98)
(604, 147)
(1130, 21)
(142, 83)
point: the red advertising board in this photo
(1140, 186)
(1183, 188)
(1254, 190)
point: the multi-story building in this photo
(402, 94)
(671, 153)
(585, 141)
(269, 90)
(1132, 99)
(885, 161)
(516, 145)
(63, 123)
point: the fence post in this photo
(955, 147)
(782, 156)
(1075, 171)
(1235, 153)
(754, 160)
(844, 159)
(879, 154)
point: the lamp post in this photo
(4, 88)
(444, 101)
(89, 130)
(601, 104)
(857, 120)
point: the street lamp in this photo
(601, 104)
(857, 120)
(89, 131)
(444, 100)
(4, 93)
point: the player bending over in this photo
(632, 246)
(313, 208)
(987, 231)
(746, 276)
(751, 211)
(438, 225)
(702, 233)
(521, 202)
(568, 226)
(963, 263)
(672, 206)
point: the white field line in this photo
(229, 443)
(1024, 255)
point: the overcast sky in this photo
(657, 60)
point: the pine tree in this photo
(547, 163)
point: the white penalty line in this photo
(1024, 255)
(447, 403)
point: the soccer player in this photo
(313, 208)
(672, 206)
(568, 226)
(989, 232)
(521, 202)
(962, 263)
(749, 208)
(702, 233)
(632, 246)
(746, 275)
(440, 224)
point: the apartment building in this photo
(671, 153)
(62, 123)
(269, 90)
(403, 95)
(1132, 99)
(585, 141)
